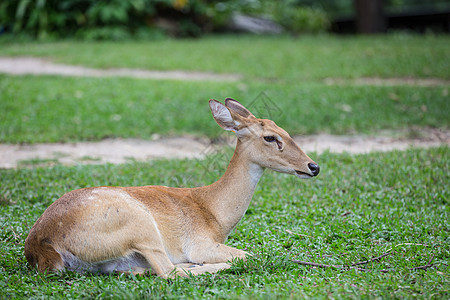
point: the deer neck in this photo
(229, 197)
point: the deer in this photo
(162, 230)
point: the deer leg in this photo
(212, 252)
(159, 262)
(183, 269)
(210, 257)
(195, 269)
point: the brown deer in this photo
(170, 231)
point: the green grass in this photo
(290, 71)
(51, 109)
(304, 58)
(358, 208)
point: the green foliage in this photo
(358, 208)
(91, 19)
(297, 18)
(302, 19)
(124, 19)
(339, 8)
(294, 16)
(404, 5)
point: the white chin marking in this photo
(302, 176)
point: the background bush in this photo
(121, 19)
(114, 19)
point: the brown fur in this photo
(163, 228)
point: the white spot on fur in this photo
(243, 132)
(255, 173)
(156, 227)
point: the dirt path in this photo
(123, 150)
(37, 66)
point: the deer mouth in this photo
(302, 174)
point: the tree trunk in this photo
(370, 16)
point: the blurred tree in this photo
(370, 16)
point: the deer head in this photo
(262, 141)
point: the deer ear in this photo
(238, 108)
(222, 115)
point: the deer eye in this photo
(269, 139)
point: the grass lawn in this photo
(304, 58)
(289, 71)
(360, 207)
(51, 109)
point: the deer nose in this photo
(315, 169)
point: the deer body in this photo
(171, 231)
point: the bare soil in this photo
(37, 66)
(376, 81)
(125, 150)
